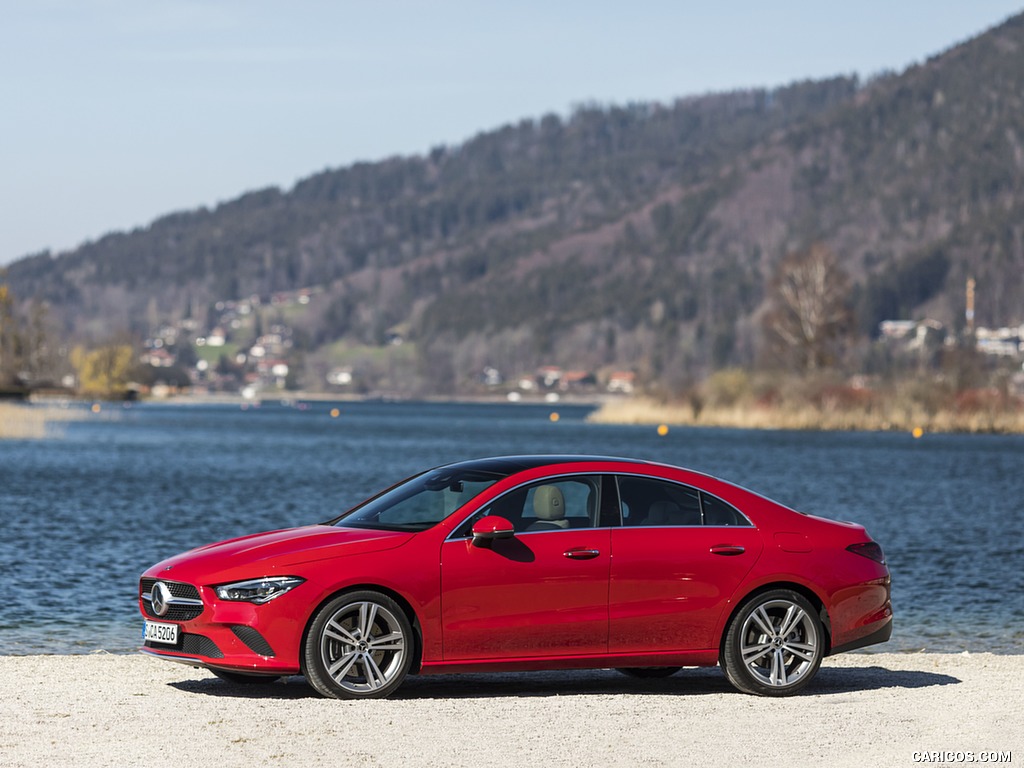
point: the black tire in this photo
(773, 645)
(341, 663)
(241, 678)
(648, 673)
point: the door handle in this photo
(582, 554)
(727, 549)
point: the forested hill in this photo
(640, 236)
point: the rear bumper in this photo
(880, 635)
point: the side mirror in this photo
(490, 528)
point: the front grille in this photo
(193, 645)
(253, 639)
(177, 589)
(175, 612)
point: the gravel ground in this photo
(862, 709)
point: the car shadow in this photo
(602, 682)
(294, 687)
(875, 678)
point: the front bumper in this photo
(235, 636)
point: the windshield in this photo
(419, 502)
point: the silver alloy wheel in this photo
(779, 643)
(363, 647)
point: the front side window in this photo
(419, 502)
(556, 504)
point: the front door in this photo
(543, 592)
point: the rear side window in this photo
(717, 512)
(657, 503)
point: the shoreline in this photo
(608, 410)
(325, 397)
(113, 710)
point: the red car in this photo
(528, 563)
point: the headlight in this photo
(258, 591)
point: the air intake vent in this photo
(253, 639)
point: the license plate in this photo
(155, 632)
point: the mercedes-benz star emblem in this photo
(160, 596)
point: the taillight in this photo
(869, 549)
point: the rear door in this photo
(678, 557)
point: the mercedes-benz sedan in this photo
(528, 563)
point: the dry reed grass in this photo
(878, 417)
(34, 422)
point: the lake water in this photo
(84, 514)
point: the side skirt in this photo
(704, 658)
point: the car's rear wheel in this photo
(648, 673)
(774, 644)
(241, 678)
(359, 646)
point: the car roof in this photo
(509, 465)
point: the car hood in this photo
(273, 552)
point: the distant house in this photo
(158, 358)
(549, 375)
(272, 371)
(272, 339)
(576, 380)
(913, 334)
(1001, 342)
(622, 382)
(339, 377)
(217, 338)
(896, 329)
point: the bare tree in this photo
(10, 339)
(809, 310)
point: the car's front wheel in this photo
(774, 644)
(359, 646)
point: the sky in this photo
(116, 112)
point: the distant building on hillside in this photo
(1002, 342)
(913, 335)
